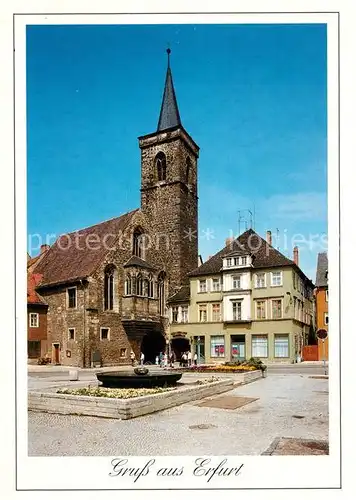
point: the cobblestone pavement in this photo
(287, 406)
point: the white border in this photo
(279, 472)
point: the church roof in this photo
(322, 270)
(169, 115)
(263, 254)
(76, 255)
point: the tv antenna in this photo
(245, 217)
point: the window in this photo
(260, 280)
(123, 352)
(34, 320)
(184, 314)
(161, 294)
(203, 314)
(229, 262)
(216, 312)
(216, 284)
(326, 318)
(128, 285)
(276, 308)
(138, 243)
(236, 310)
(104, 333)
(139, 285)
(161, 166)
(281, 346)
(276, 278)
(217, 346)
(236, 261)
(34, 348)
(72, 297)
(327, 295)
(202, 286)
(188, 165)
(109, 285)
(259, 346)
(150, 288)
(243, 261)
(236, 282)
(175, 314)
(71, 334)
(261, 309)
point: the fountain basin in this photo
(132, 380)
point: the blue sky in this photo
(253, 97)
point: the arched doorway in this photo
(179, 346)
(152, 344)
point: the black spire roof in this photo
(169, 115)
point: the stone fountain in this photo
(139, 377)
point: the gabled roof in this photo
(264, 255)
(33, 298)
(169, 115)
(76, 255)
(182, 295)
(135, 261)
(322, 270)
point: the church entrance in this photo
(179, 346)
(152, 344)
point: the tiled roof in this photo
(263, 254)
(137, 262)
(322, 270)
(33, 297)
(182, 295)
(78, 254)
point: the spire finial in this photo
(169, 53)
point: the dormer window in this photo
(161, 166)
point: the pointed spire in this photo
(169, 115)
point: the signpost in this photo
(322, 335)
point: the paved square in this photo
(189, 429)
(226, 402)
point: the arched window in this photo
(161, 166)
(138, 243)
(128, 287)
(150, 287)
(139, 285)
(145, 287)
(161, 293)
(110, 280)
(188, 167)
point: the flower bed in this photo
(219, 368)
(103, 392)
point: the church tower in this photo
(169, 189)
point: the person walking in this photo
(142, 359)
(165, 360)
(195, 359)
(189, 358)
(171, 360)
(184, 359)
(132, 357)
(157, 360)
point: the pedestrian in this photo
(171, 360)
(132, 357)
(142, 359)
(160, 359)
(165, 360)
(189, 358)
(195, 359)
(157, 360)
(184, 359)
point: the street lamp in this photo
(198, 349)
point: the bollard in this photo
(73, 375)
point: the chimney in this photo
(229, 240)
(296, 255)
(44, 249)
(269, 237)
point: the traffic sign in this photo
(321, 334)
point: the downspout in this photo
(84, 322)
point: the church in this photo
(106, 286)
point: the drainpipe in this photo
(84, 325)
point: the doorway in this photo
(55, 355)
(179, 346)
(238, 348)
(152, 344)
